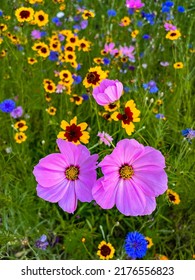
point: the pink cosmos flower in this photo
(105, 138)
(169, 26)
(108, 92)
(128, 51)
(109, 48)
(66, 177)
(36, 34)
(134, 4)
(133, 176)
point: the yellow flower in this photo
(173, 35)
(112, 106)
(125, 21)
(94, 77)
(173, 197)
(131, 115)
(105, 251)
(51, 110)
(178, 65)
(74, 132)
(44, 50)
(41, 18)
(161, 257)
(49, 86)
(21, 125)
(149, 242)
(84, 45)
(32, 60)
(24, 14)
(134, 33)
(20, 137)
(86, 14)
(3, 27)
(78, 100)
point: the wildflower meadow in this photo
(97, 130)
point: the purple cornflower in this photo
(36, 34)
(42, 242)
(188, 133)
(151, 86)
(164, 63)
(17, 112)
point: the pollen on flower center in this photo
(72, 173)
(126, 171)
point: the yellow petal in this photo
(130, 104)
(61, 135)
(83, 125)
(73, 121)
(64, 124)
(114, 116)
(129, 128)
(85, 137)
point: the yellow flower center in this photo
(126, 171)
(72, 173)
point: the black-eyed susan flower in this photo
(130, 115)
(94, 77)
(3, 27)
(49, 86)
(84, 45)
(65, 75)
(125, 21)
(20, 137)
(70, 57)
(98, 60)
(43, 51)
(178, 65)
(149, 242)
(24, 14)
(69, 47)
(32, 60)
(173, 197)
(86, 14)
(173, 35)
(74, 132)
(134, 33)
(105, 251)
(41, 18)
(51, 110)
(72, 39)
(112, 106)
(78, 100)
(21, 125)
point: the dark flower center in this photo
(20, 137)
(72, 173)
(126, 171)
(112, 106)
(20, 125)
(82, 45)
(93, 78)
(41, 18)
(173, 34)
(43, 50)
(25, 14)
(127, 117)
(73, 133)
(171, 197)
(105, 251)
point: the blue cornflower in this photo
(53, 56)
(111, 13)
(149, 17)
(1, 13)
(146, 36)
(7, 105)
(188, 133)
(160, 116)
(151, 86)
(42, 242)
(77, 79)
(106, 61)
(181, 9)
(135, 245)
(55, 20)
(85, 96)
(168, 4)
